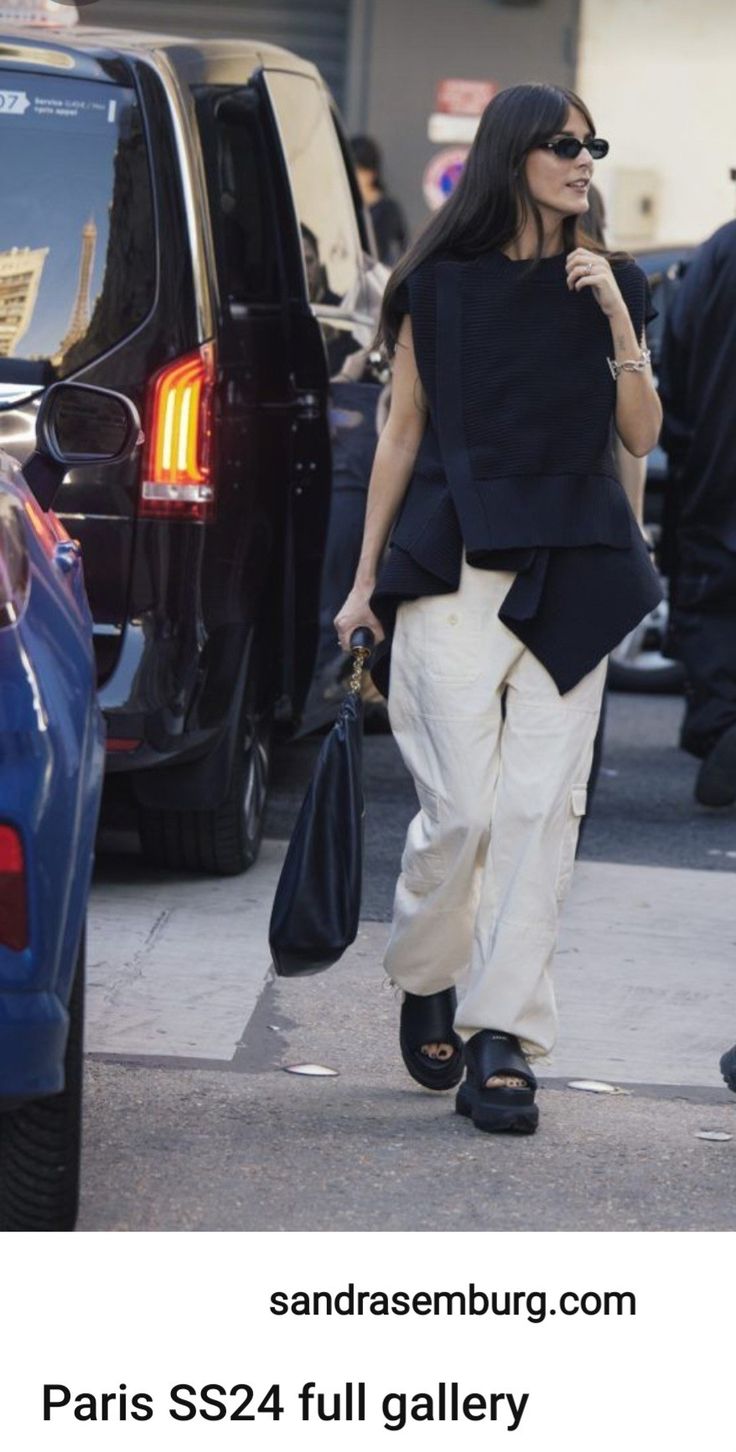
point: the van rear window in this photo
(77, 238)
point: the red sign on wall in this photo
(464, 98)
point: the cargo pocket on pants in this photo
(422, 862)
(576, 810)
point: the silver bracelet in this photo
(630, 365)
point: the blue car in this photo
(51, 769)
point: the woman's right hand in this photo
(356, 612)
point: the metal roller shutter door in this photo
(316, 29)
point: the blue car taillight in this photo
(13, 894)
(14, 564)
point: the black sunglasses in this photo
(569, 147)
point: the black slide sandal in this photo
(429, 1020)
(502, 1110)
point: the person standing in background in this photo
(697, 370)
(696, 383)
(389, 223)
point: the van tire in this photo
(226, 840)
(40, 1142)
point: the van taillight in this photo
(13, 913)
(177, 478)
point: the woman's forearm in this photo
(392, 470)
(638, 409)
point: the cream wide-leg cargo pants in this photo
(489, 856)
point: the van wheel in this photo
(226, 840)
(40, 1143)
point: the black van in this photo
(180, 223)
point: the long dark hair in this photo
(492, 201)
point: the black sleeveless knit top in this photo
(516, 466)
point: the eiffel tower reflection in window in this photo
(82, 308)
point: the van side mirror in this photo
(78, 423)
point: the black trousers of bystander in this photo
(703, 636)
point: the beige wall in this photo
(660, 79)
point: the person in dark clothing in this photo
(516, 564)
(696, 380)
(631, 471)
(388, 220)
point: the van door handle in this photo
(68, 555)
(308, 405)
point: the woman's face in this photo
(557, 185)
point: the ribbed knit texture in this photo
(538, 394)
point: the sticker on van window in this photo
(14, 103)
(48, 103)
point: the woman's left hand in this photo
(589, 269)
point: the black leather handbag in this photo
(316, 909)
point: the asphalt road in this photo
(192, 1122)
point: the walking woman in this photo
(515, 566)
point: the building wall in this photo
(659, 78)
(406, 48)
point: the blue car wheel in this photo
(40, 1142)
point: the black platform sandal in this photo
(728, 1068)
(502, 1110)
(428, 1020)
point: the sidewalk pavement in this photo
(645, 971)
(192, 1123)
